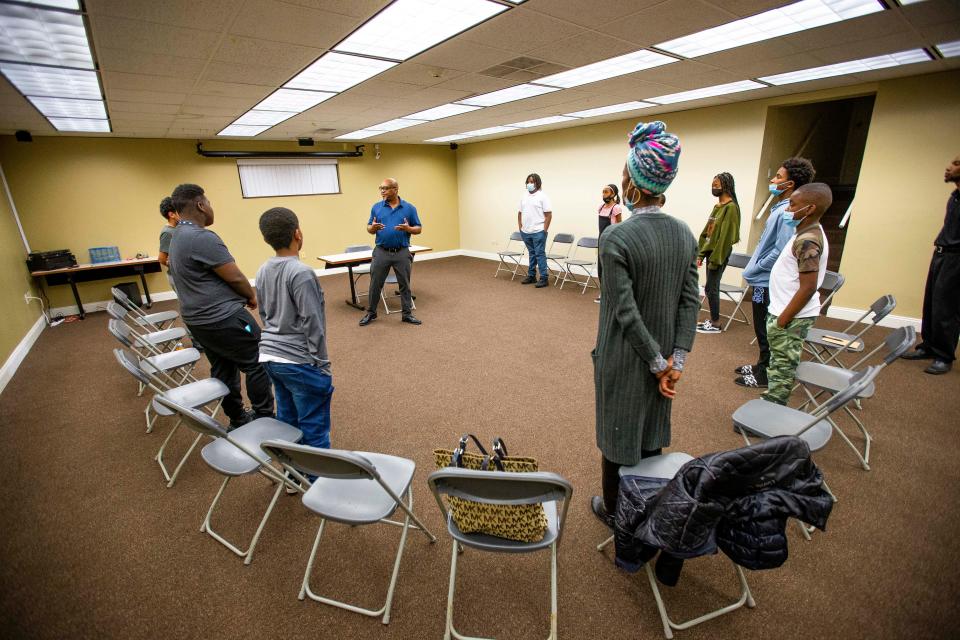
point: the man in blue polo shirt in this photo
(393, 221)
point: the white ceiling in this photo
(188, 68)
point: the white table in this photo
(354, 259)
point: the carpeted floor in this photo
(94, 546)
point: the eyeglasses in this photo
(386, 188)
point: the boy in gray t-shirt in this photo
(293, 343)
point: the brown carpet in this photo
(94, 546)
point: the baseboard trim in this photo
(101, 305)
(20, 352)
(894, 322)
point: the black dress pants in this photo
(712, 291)
(760, 330)
(940, 328)
(402, 263)
(232, 345)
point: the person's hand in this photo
(699, 262)
(668, 383)
(377, 225)
(252, 302)
(781, 323)
(659, 375)
(402, 227)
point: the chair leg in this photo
(247, 554)
(603, 545)
(553, 592)
(862, 457)
(450, 631)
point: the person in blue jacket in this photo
(792, 174)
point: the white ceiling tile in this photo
(932, 12)
(582, 49)
(475, 83)
(223, 102)
(356, 8)
(136, 35)
(379, 88)
(212, 14)
(845, 51)
(149, 97)
(465, 55)
(520, 30)
(668, 20)
(141, 82)
(255, 74)
(598, 15)
(234, 90)
(154, 119)
(265, 53)
(744, 8)
(142, 62)
(420, 74)
(281, 22)
(120, 106)
(875, 25)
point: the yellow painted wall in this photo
(18, 316)
(79, 193)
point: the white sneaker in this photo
(707, 327)
(597, 299)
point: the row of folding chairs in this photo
(565, 256)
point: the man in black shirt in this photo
(940, 329)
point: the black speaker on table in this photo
(132, 291)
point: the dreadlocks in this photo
(727, 186)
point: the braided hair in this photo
(727, 186)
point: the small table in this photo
(100, 271)
(356, 258)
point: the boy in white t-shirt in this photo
(794, 280)
(533, 219)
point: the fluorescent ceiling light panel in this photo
(539, 122)
(397, 123)
(708, 92)
(407, 27)
(519, 92)
(80, 124)
(59, 4)
(488, 131)
(613, 108)
(47, 81)
(69, 108)
(443, 111)
(610, 68)
(243, 130)
(949, 49)
(799, 16)
(292, 100)
(844, 68)
(360, 134)
(910, 1)
(41, 36)
(267, 118)
(458, 136)
(337, 72)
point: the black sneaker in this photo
(528, 280)
(542, 284)
(752, 381)
(248, 416)
(596, 505)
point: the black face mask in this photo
(716, 192)
(608, 199)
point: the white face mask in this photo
(531, 187)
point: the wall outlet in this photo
(26, 297)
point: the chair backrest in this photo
(516, 236)
(116, 311)
(898, 342)
(832, 281)
(563, 238)
(738, 260)
(121, 332)
(195, 420)
(354, 248)
(326, 463)
(133, 369)
(588, 243)
(882, 307)
(858, 383)
(119, 295)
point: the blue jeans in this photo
(303, 397)
(537, 250)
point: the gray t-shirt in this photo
(166, 235)
(291, 306)
(204, 297)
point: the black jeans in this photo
(232, 345)
(940, 327)
(760, 330)
(712, 290)
(611, 479)
(402, 264)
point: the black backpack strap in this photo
(499, 452)
(456, 460)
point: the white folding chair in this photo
(155, 321)
(826, 345)
(157, 341)
(666, 467)
(360, 270)
(735, 261)
(578, 266)
(557, 259)
(176, 363)
(497, 487)
(832, 282)
(511, 260)
(353, 488)
(233, 454)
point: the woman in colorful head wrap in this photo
(648, 313)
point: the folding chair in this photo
(233, 454)
(159, 341)
(737, 261)
(359, 270)
(180, 362)
(825, 378)
(155, 321)
(195, 394)
(586, 266)
(511, 256)
(352, 488)
(557, 258)
(666, 467)
(832, 282)
(826, 345)
(494, 487)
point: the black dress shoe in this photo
(367, 318)
(917, 354)
(596, 505)
(939, 367)
(528, 280)
(542, 284)
(410, 319)
(247, 417)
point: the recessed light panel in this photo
(949, 49)
(792, 18)
(394, 125)
(458, 136)
(539, 122)
(80, 124)
(443, 111)
(611, 68)
(488, 131)
(69, 108)
(264, 118)
(360, 134)
(509, 94)
(407, 27)
(613, 108)
(844, 68)
(42, 36)
(31, 80)
(292, 100)
(338, 72)
(707, 92)
(59, 4)
(243, 131)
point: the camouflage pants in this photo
(786, 346)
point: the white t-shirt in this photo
(785, 275)
(532, 207)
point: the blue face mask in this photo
(774, 190)
(628, 203)
(531, 187)
(789, 220)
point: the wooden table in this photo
(100, 271)
(354, 259)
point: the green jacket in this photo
(721, 232)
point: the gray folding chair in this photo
(359, 270)
(497, 487)
(736, 261)
(666, 467)
(824, 378)
(159, 341)
(832, 282)
(826, 345)
(176, 363)
(194, 394)
(352, 488)
(233, 454)
(155, 321)
(511, 260)
(584, 267)
(555, 258)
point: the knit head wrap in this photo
(653, 157)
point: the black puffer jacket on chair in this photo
(736, 500)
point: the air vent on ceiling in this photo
(531, 67)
